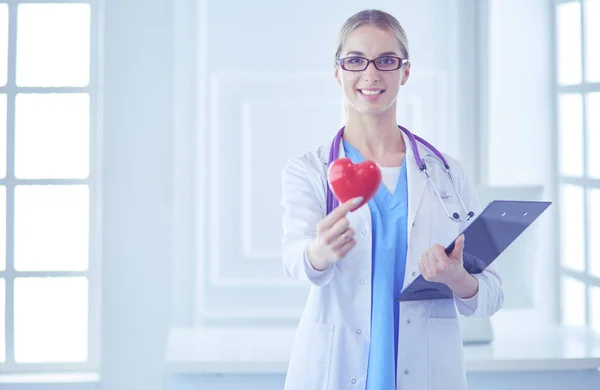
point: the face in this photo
(371, 91)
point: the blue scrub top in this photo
(389, 219)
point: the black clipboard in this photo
(488, 235)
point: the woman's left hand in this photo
(437, 266)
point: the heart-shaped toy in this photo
(348, 180)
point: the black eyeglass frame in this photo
(400, 63)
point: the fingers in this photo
(339, 237)
(344, 248)
(335, 231)
(425, 265)
(422, 270)
(342, 239)
(431, 263)
(334, 235)
(459, 245)
(436, 265)
(338, 213)
(438, 253)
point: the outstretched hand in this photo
(334, 237)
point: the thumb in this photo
(459, 245)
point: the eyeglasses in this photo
(384, 63)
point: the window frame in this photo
(583, 89)
(93, 181)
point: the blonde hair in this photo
(376, 18)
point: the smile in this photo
(369, 92)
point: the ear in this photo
(336, 74)
(405, 73)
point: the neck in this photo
(376, 137)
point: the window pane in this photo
(51, 228)
(595, 307)
(572, 228)
(3, 151)
(3, 43)
(51, 318)
(593, 134)
(594, 232)
(573, 302)
(571, 134)
(592, 43)
(53, 46)
(2, 321)
(2, 228)
(568, 18)
(52, 136)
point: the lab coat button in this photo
(364, 232)
(405, 372)
(408, 321)
(358, 331)
(353, 381)
(414, 274)
(362, 281)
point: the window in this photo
(49, 203)
(578, 118)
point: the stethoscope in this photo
(334, 152)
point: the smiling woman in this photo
(353, 332)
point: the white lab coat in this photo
(331, 346)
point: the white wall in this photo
(520, 92)
(519, 120)
(138, 194)
(148, 268)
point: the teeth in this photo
(371, 92)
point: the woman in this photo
(353, 333)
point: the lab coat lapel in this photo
(416, 183)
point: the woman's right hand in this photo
(334, 238)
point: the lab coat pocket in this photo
(311, 356)
(446, 366)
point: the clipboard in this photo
(486, 237)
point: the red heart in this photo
(348, 180)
